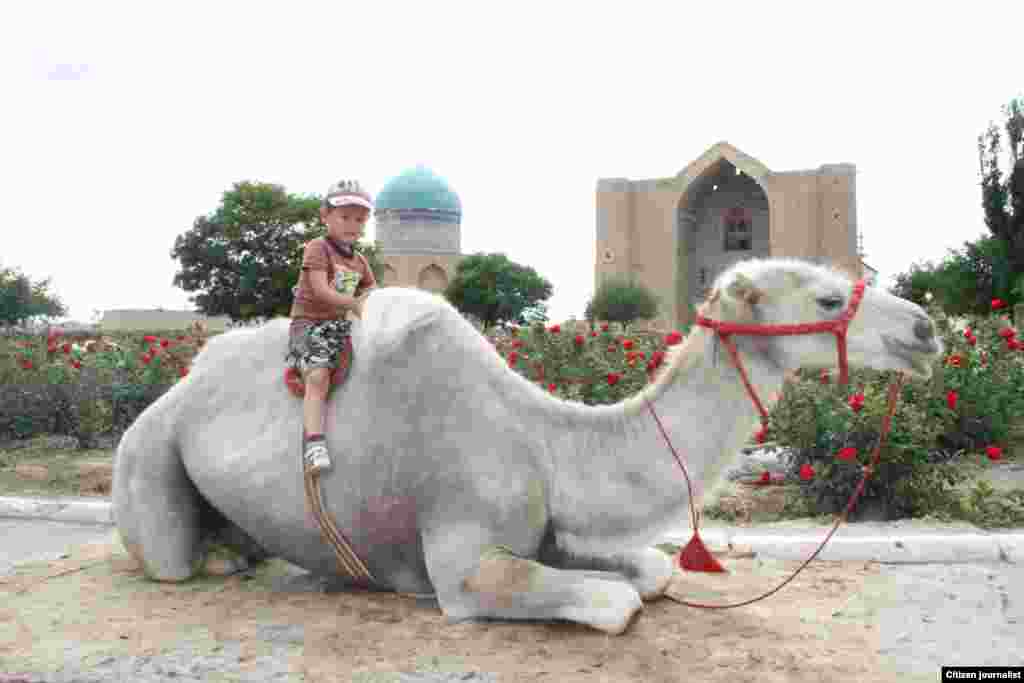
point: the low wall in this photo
(140, 320)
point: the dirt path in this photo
(94, 616)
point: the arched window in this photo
(738, 231)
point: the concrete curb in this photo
(893, 543)
(886, 543)
(77, 510)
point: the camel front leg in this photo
(648, 570)
(498, 584)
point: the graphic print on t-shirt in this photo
(346, 281)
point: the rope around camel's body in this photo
(348, 561)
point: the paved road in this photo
(938, 615)
(928, 615)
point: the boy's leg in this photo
(317, 382)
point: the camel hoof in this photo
(224, 562)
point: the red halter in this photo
(695, 555)
(838, 327)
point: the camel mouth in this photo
(918, 357)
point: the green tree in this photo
(21, 299)
(964, 282)
(623, 300)
(243, 259)
(991, 267)
(1003, 200)
(495, 290)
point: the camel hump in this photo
(391, 315)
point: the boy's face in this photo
(345, 223)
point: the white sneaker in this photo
(317, 458)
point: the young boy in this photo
(334, 282)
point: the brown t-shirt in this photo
(351, 276)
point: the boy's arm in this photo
(323, 291)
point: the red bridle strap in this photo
(838, 327)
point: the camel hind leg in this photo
(157, 508)
(165, 522)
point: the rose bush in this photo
(942, 432)
(95, 386)
(595, 367)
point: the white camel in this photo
(458, 477)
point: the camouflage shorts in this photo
(316, 343)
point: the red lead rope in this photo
(695, 556)
(700, 553)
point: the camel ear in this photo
(742, 288)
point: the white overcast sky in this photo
(123, 121)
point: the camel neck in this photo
(707, 414)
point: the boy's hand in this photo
(357, 307)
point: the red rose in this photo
(52, 348)
(552, 387)
(997, 304)
(1007, 333)
(26, 364)
(954, 360)
(657, 357)
(149, 339)
(593, 334)
(512, 358)
(66, 348)
(76, 364)
(848, 454)
(967, 333)
(164, 343)
(555, 329)
(181, 337)
(580, 339)
(613, 378)
(824, 376)
(145, 359)
(994, 453)
(806, 472)
(766, 477)
(611, 348)
(182, 371)
(951, 399)
(627, 344)
(673, 338)
(516, 343)
(971, 341)
(857, 402)
(1012, 344)
(761, 435)
(604, 327)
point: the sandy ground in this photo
(93, 616)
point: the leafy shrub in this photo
(594, 367)
(621, 300)
(88, 380)
(939, 428)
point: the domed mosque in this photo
(418, 229)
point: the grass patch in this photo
(61, 463)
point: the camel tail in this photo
(157, 508)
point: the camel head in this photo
(887, 332)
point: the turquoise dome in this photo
(418, 188)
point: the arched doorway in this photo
(388, 276)
(722, 218)
(433, 279)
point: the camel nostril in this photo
(923, 329)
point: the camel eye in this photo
(830, 303)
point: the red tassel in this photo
(695, 557)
